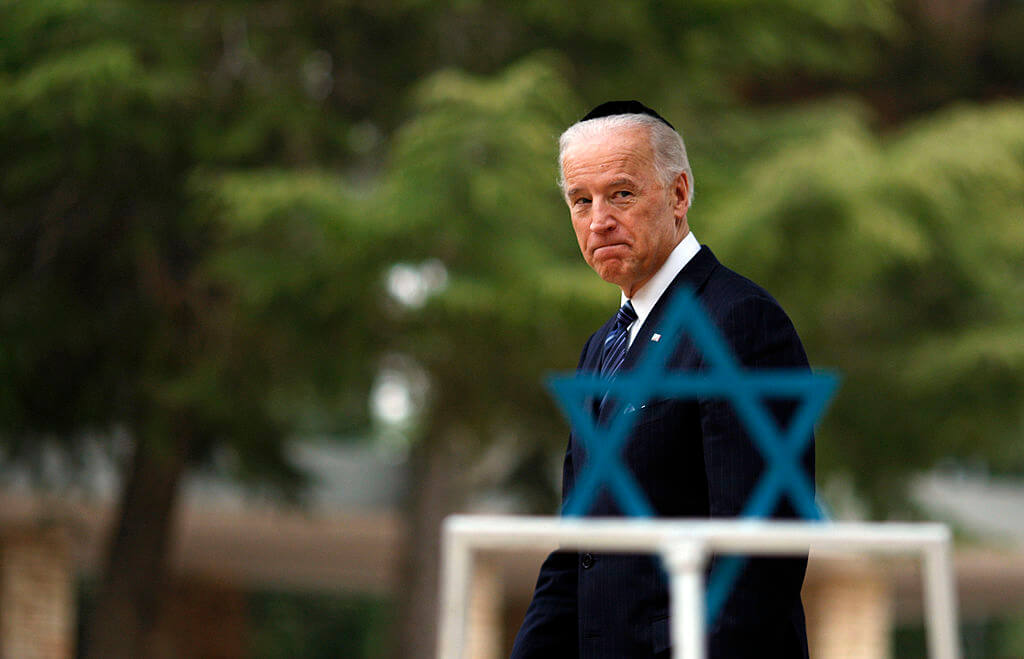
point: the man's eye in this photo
(622, 194)
(581, 201)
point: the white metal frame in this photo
(685, 546)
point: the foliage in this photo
(149, 289)
(192, 156)
(900, 259)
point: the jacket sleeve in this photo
(763, 610)
(550, 628)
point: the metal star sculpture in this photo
(723, 378)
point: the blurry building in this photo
(347, 537)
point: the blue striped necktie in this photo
(617, 340)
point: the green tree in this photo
(149, 293)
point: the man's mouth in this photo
(598, 250)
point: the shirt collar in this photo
(649, 294)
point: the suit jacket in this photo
(692, 458)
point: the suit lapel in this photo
(592, 358)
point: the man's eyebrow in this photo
(614, 183)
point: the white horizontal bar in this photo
(724, 536)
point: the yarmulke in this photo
(610, 108)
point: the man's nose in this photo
(602, 216)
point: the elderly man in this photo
(628, 185)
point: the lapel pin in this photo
(656, 338)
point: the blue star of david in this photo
(724, 378)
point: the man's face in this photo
(626, 221)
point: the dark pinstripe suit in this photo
(693, 459)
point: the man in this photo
(628, 185)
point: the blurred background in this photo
(280, 282)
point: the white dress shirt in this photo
(649, 294)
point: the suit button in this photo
(587, 560)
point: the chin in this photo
(613, 277)
(610, 269)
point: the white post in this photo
(456, 575)
(940, 602)
(684, 559)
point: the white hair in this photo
(669, 151)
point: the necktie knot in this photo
(625, 316)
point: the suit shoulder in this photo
(727, 290)
(754, 323)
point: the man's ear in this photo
(681, 195)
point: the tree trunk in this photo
(127, 602)
(435, 489)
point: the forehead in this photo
(618, 152)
